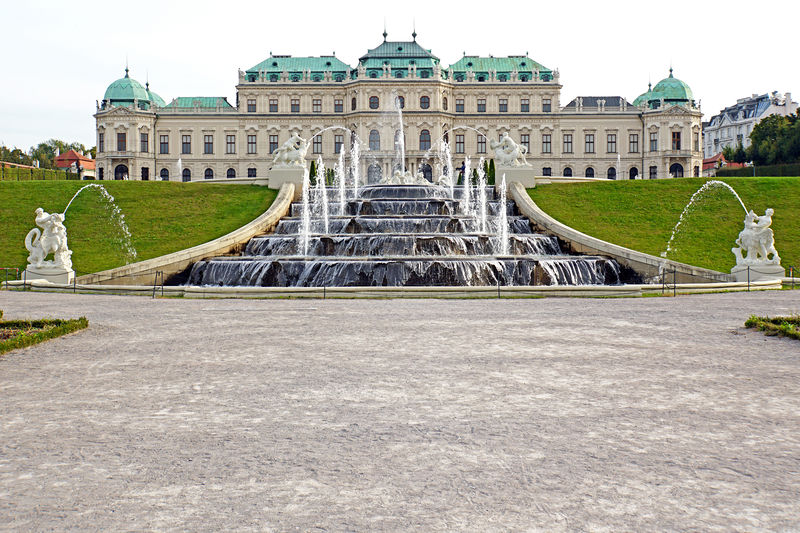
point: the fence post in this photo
(674, 282)
(748, 279)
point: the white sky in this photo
(59, 57)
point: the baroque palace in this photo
(140, 136)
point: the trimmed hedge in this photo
(783, 326)
(28, 174)
(788, 169)
(55, 328)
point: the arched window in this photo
(121, 172)
(425, 140)
(444, 103)
(424, 102)
(612, 173)
(427, 171)
(373, 173)
(209, 174)
(676, 170)
(400, 102)
(231, 173)
(523, 78)
(164, 174)
(425, 73)
(398, 73)
(353, 104)
(374, 140)
(633, 173)
(696, 171)
(567, 172)
(187, 175)
(374, 102)
(373, 74)
(589, 172)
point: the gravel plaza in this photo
(554, 414)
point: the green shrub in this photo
(30, 332)
(783, 326)
(788, 169)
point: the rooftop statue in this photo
(292, 153)
(51, 239)
(757, 240)
(508, 153)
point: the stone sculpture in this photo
(50, 239)
(292, 153)
(508, 153)
(404, 178)
(757, 241)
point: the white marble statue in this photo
(51, 239)
(404, 178)
(292, 153)
(757, 241)
(508, 153)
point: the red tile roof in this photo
(65, 160)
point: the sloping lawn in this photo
(162, 217)
(641, 214)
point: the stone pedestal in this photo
(522, 174)
(278, 176)
(758, 272)
(53, 275)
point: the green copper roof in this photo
(153, 97)
(276, 65)
(399, 55)
(211, 102)
(504, 66)
(672, 89)
(126, 90)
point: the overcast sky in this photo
(59, 57)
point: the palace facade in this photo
(140, 136)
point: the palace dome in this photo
(125, 90)
(673, 89)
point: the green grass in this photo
(783, 326)
(641, 214)
(163, 217)
(21, 333)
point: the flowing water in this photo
(404, 235)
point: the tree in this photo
(739, 155)
(312, 173)
(728, 152)
(492, 179)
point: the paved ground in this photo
(484, 415)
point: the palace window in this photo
(295, 105)
(101, 142)
(187, 175)
(374, 103)
(612, 173)
(100, 173)
(400, 102)
(481, 105)
(209, 174)
(459, 105)
(504, 105)
(424, 102)
(653, 172)
(459, 144)
(546, 143)
(317, 149)
(425, 140)
(589, 172)
(524, 105)
(567, 143)
(588, 145)
(145, 173)
(208, 144)
(374, 140)
(230, 144)
(121, 142)
(251, 144)
(338, 142)
(273, 143)
(546, 105)
(633, 143)
(144, 142)
(567, 172)
(251, 105)
(654, 141)
(481, 144)
(444, 103)
(186, 144)
(676, 140)
(353, 104)
(251, 173)
(697, 142)
(547, 171)
(273, 105)
(163, 144)
(231, 173)
(338, 106)
(316, 105)
(611, 143)
(164, 174)
(525, 140)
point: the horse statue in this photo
(51, 239)
(757, 241)
(292, 153)
(509, 153)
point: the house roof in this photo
(66, 159)
(501, 65)
(209, 102)
(277, 64)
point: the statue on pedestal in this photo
(51, 239)
(757, 241)
(508, 153)
(292, 153)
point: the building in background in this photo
(474, 100)
(732, 126)
(72, 161)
